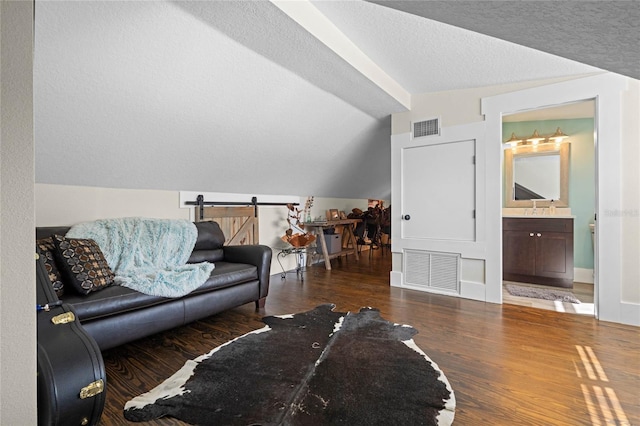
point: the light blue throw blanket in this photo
(148, 255)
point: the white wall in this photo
(66, 205)
(458, 107)
(17, 271)
(630, 202)
(321, 205)
(454, 108)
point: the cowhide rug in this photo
(313, 368)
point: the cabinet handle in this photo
(531, 234)
(539, 234)
(406, 217)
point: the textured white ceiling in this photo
(428, 56)
(602, 33)
(264, 29)
(234, 96)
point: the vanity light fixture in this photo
(558, 137)
(535, 138)
(513, 140)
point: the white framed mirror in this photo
(537, 172)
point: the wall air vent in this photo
(429, 127)
(432, 271)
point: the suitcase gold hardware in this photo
(92, 389)
(37, 256)
(84, 421)
(65, 318)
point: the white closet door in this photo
(439, 191)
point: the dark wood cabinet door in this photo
(519, 253)
(538, 251)
(554, 255)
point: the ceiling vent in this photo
(424, 128)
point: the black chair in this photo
(369, 231)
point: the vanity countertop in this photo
(545, 216)
(541, 213)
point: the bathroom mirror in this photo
(537, 172)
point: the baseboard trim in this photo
(473, 290)
(583, 275)
(468, 289)
(395, 278)
(630, 313)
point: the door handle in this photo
(531, 234)
(539, 234)
(406, 217)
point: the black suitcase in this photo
(71, 374)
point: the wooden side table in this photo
(348, 226)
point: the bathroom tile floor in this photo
(583, 291)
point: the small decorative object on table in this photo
(297, 237)
(307, 208)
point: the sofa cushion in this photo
(47, 248)
(213, 256)
(82, 264)
(228, 274)
(210, 236)
(116, 300)
(109, 301)
(208, 247)
(50, 231)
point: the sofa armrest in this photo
(257, 255)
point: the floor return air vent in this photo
(432, 271)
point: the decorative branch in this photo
(295, 235)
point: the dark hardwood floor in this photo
(507, 364)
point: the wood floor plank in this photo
(507, 364)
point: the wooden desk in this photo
(347, 231)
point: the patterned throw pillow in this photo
(47, 248)
(82, 264)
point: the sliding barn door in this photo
(239, 224)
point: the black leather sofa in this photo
(117, 315)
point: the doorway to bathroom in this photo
(548, 207)
(611, 94)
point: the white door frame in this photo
(606, 90)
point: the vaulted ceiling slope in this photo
(235, 96)
(601, 33)
(425, 55)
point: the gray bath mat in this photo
(541, 293)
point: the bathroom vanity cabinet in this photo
(538, 250)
